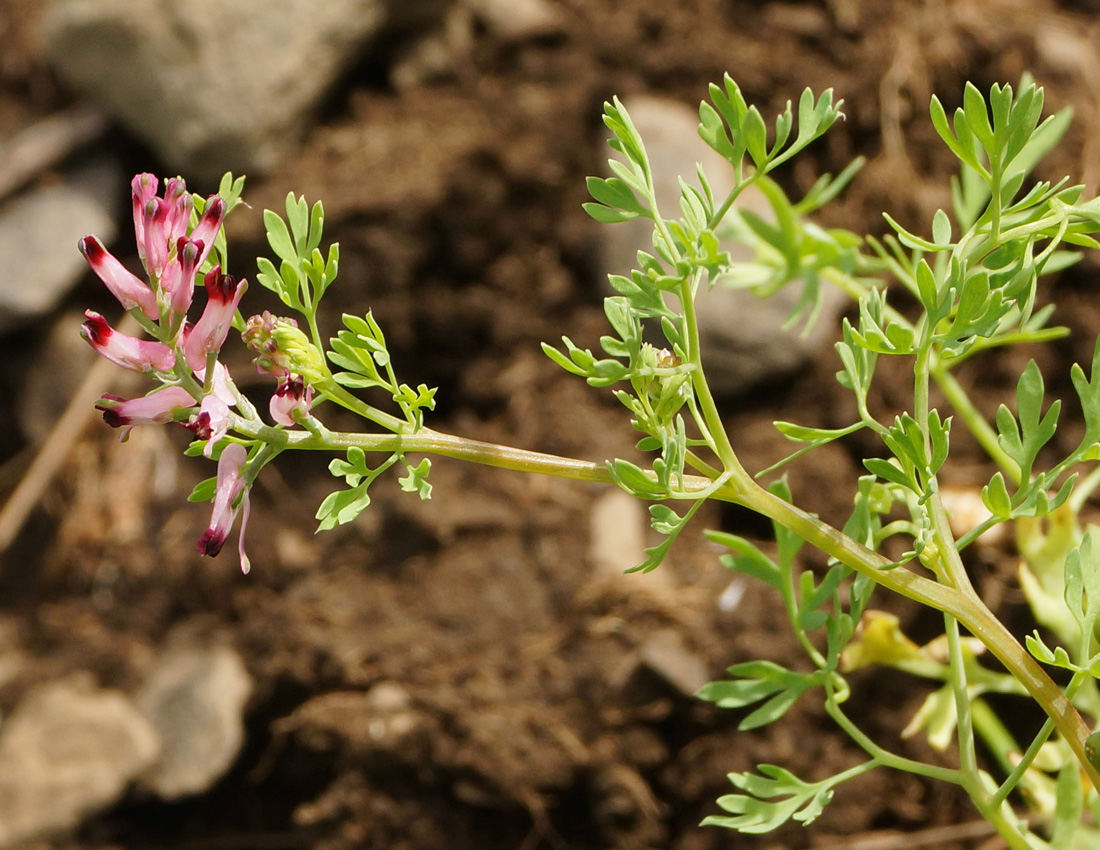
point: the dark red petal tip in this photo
(113, 418)
(96, 328)
(210, 543)
(92, 249)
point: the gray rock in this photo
(215, 87)
(743, 340)
(39, 259)
(69, 749)
(195, 699)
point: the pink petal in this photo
(129, 289)
(156, 408)
(142, 189)
(130, 353)
(229, 486)
(206, 231)
(290, 397)
(154, 221)
(178, 202)
(246, 508)
(179, 277)
(223, 294)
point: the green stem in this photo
(968, 757)
(966, 608)
(879, 754)
(345, 399)
(712, 420)
(1013, 779)
(427, 441)
(970, 611)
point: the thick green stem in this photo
(970, 611)
(963, 606)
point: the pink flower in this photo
(143, 188)
(130, 353)
(160, 223)
(154, 409)
(230, 488)
(211, 423)
(129, 289)
(291, 401)
(178, 281)
(154, 218)
(178, 216)
(223, 293)
(219, 384)
(208, 226)
(212, 420)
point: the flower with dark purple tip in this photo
(128, 288)
(154, 229)
(209, 224)
(178, 282)
(211, 423)
(138, 354)
(179, 203)
(230, 489)
(162, 406)
(223, 293)
(291, 401)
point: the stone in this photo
(69, 749)
(518, 20)
(743, 340)
(216, 87)
(39, 231)
(195, 699)
(617, 527)
(383, 719)
(664, 653)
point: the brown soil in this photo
(529, 721)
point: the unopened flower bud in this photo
(209, 225)
(282, 347)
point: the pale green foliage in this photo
(358, 351)
(970, 284)
(975, 279)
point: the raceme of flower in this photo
(975, 281)
(174, 243)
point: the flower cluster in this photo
(273, 338)
(176, 246)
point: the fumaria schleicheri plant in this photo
(969, 284)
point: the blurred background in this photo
(474, 671)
